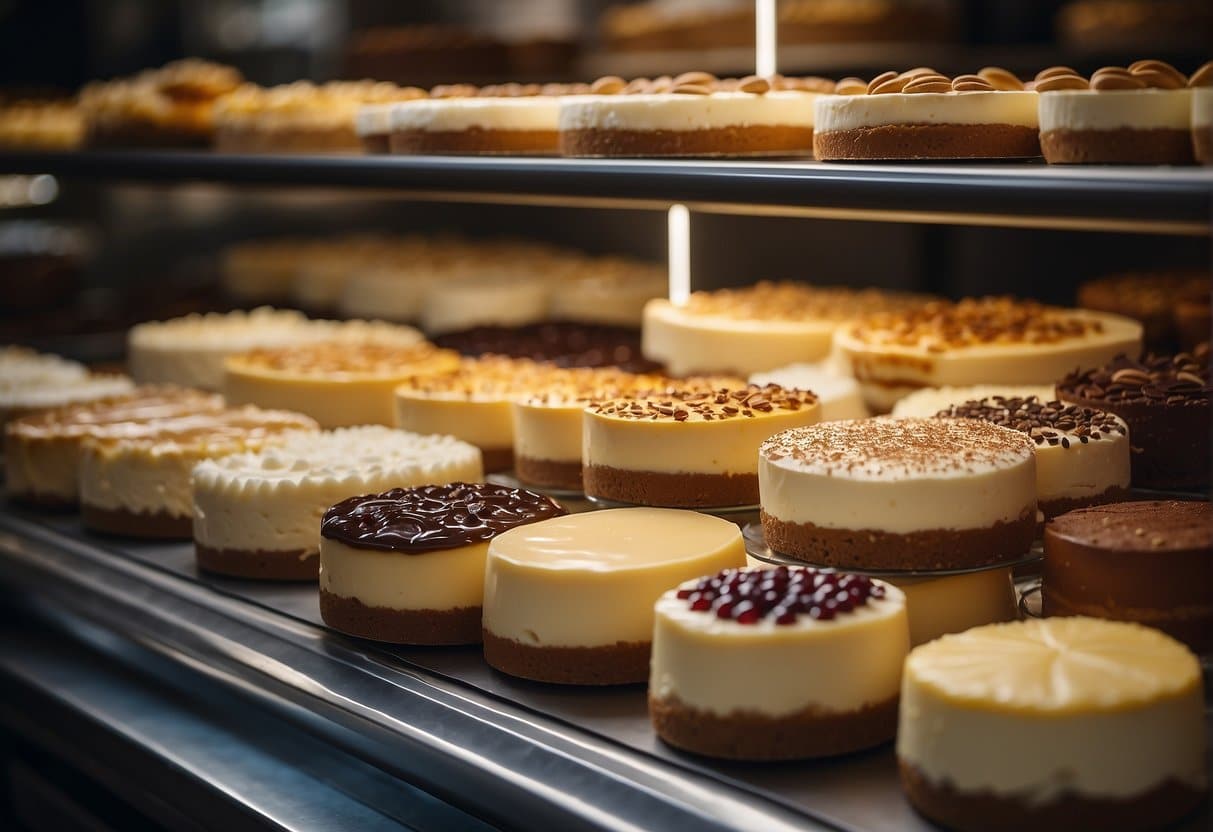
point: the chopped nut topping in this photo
(1043, 421)
(681, 404)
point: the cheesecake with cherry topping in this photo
(777, 664)
(686, 448)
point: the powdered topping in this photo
(335, 358)
(898, 449)
(117, 415)
(699, 405)
(782, 595)
(943, 325)
(769, 301)
(432, 517)
(1172, 381)
(1151, 525)
(1050, 423)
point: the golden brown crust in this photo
(258, 564)
(670, 490)
(622, 663)
(928, 141)
(477, 140)
(734, 140)
(426, 627)
(1122, 146)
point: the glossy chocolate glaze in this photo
(432, 517)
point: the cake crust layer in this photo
(258, 563)
(621, 663)
(743, 735)
(1060, 505)
(474, 140)
(429, 627)
(158, 525)
(1124, 146)
(1002, 542)
(738, 140)
(928, 141)
(548, 473)
(671, 490)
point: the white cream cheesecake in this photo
(31, 380)
(839, 395)
(927, 401)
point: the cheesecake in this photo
(1152, 298)
(407, 566)
(254, 272)
(564, 343)
(42, 450)
(136, 483)
(257, 515)
(757, 328)
(927, 401)
(1201, 84)
(570, 600)
(991, 340)
(338, 384)
(1149, 562)
(608, 291)
(777, 664)
(32, 380)
(484, 299)
(839, 395)
(1053, 725)
(899, 494)
(940, 604)
(686, 448)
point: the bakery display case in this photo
(757, 584)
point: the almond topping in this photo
(919, 70)
(881, 79)
(927, 83)
(971, 83)
(1000, 79)
(1159, 74)
(692, 89)
(754, 84)
(851, 86)
(1061, 82)
(1054, 71)
(700, 79)
(608, 85)
(1115, 78)
(1202, 77)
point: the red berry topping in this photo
(782, 594)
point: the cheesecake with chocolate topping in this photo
(570, 600)
(758, 328)
(1053, 725)
(777, 664)
(694, 114)
(1136, 115)
(920, 114)
(899, 494)
(991, 340)
(686, 448)
(1150, 562)
(1082, 454)
(407, 566)
(1165, 402)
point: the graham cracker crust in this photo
(1202, 144)
(259, 564)
(734, 140)
(622, 663)
(157, 525)
(746, 735)
(1123, 146)
(425, 627)
(474, 140)
(377, 144)
(928, 141)
(497, 460)
(548, 473)
(874, 549)
(986, 812)
(680, 490)
(1052, 508)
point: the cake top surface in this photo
(22, 368)
(116, 414)
(227, 430)
(337, 360)
(434, 517)
(617, 539)
(928, 401)
(489, 378)
(781, 595)
(1146, 526)
(694, 404)
(941, 326)
(1049, 423)
(1148, 74)
(1180, 380)
(698, 83)
(785, 301)
(365, 452)
(898, 449)
(1055, 666)
(262, 327)
(923, 79)
(53, 394)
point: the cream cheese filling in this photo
(444, 579)
(681, 112)
(441, 115)
(855, 112)
(1148, 109)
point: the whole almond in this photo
(1061, 82)
(881, 79)
(608, 85)
(1054, 71)
(1160, 80)
(1202, 77)
(638, 85)
(1000, 79)
(892, 85)
(691, 89)
(754, 84)
(1153, 67)
(927, 83)
(919, 70)
(971, 83)
(1115, 78)
(851, 86)
(702, 79)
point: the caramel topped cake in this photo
(686, 447)
(920, 114)
(137, 482)
(693, 114)
(759, 327)
(991, 340)
(899, 494)
(1165, 402)
(338, 384)
(1082, 454)
(407, 566)
(1140, 114)
(42, 450)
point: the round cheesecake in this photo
(1052, 725)
(31, 380)
(899, 494)
(1082, 455)
(839, 396)
(927, 401)
(136, 482)
(1165, 402)
(1149, 562)
(484, 300)
(262, 271)
(756, 328)
(570, 600)
(946, 604)
(686, 448)
(42, 450)
(524, 125)
(1149, 297)
(337, 384)
(408, 566)
(373, 126)
(608, 291)
(1201, 84)
(977, 341)
(777, 664)
(257, 515)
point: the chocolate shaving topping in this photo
(1042, 421)
(433, 517)
(944, 325)
(698, 403)
(1172, 381)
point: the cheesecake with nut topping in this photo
(694, 114)
(686, 448)
(1201, 85)
(991, 340)
(920, 114)
(1136, 115)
